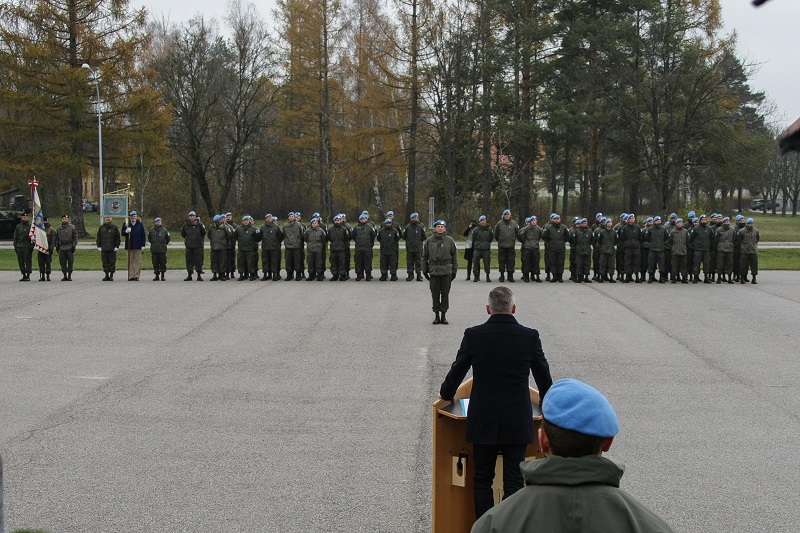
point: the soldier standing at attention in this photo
(556, 236)
(108, 241)
(581, 242)
(46, 258)
(679, 240)
(748, 238)
(388, 236)
(736, 247)
(630, 238)
(606, 241)
(346, 225)
(414, 235)
(247, 236)
(482, 237)
(194, 234)
(271, 238)
(339, 237)
(23, 246)
(219, 236)
(440, 266)
(505, 233)
(468, 251)
(530, 236)
(135, 242)
(293, 242)
(656, 238)
(159, 238)
(315, 238)
(364, 238)
(700, 242)
(66, 242)
(724, 238)
(230, 263)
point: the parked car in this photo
(89, 207)
(758, 205)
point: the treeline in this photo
(537, 106)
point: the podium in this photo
(453, 500)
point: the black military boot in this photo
(394, 277)
(706, 278)
(444, 320)
(626, 278)
(719, 280)
(359, 276)
(576, 279)
(342, 277)
(547, 277)
(41, 276)
(162, 277)
(538, 278)
(368, 276)
(419, 277)
(476, 278)
(511, 277)
(586, 278)
(106, 278)
(383, 277)
(311, 276)
(502, 277)
(525, 278)
(553, 278)
(157, 277)
(730, 279)
(47, 276)
(410, 276)
(754, 280)
(336, 278)
(650, 277)
(436, 319)
(69, 276)
(468, 274)
(662, 278)
(276, 276)
(560, 278)
(488, 280)
(638, 279)
(199, 278)
(695, 278)
(189, 277)
(299, 275)
(601, 278)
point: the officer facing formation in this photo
(440, 266)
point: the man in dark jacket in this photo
(159, 238)
(502, 354)
(581, 244)
(66, 242)
(574, 488)
(414, 235)
(388, 236)
(220, 235)
(108, 241)
(555, 236)
(363, 236)
(247, 237)
(724, 238)
(23, 246)
(135, 242)
(194, 233)
(656, 238)
(700, 241)
(505, 233)
(530, 236)
(339, 237)
(45, 259)
(630, 239)
(293, 242)
(678, 241)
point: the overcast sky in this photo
(766, 36)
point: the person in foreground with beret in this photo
(503, 354)
(574, 488)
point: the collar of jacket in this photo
(503, 317)
(555, 470)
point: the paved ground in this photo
(305, 406)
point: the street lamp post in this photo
(96, 81)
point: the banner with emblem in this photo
(38, 234)
(115, 204)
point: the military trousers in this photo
(293, 261)
(557, 257)
(725, 262)
(230, 259)
(271, 261)
(506, 259)
(67, 260)
(347, 255)
(656, 260)
(582, 264)
(388, 264)
(748, 260)
(219, 261)
(363, 261)
(596, 260)
(679, 266)
(413, 262)
(159, 260)
(316, 263)
(248, 265)
(109, 260)
(440, 293)
(632, 260)
(194, 259)
(530, 261)
(701, 257)
(477, 257)
(607, 262)
(45, 262)
(337, 264)
(25, 259)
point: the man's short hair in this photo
(568, 443)
(501, 300)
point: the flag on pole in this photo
(38, 234)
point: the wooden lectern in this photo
(453, 500)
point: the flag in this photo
(38, 233)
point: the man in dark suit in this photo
(502, 354)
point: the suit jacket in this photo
(502, 354)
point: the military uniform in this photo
(159, 238)
(194, 234)
(440, 266)
(23, 246)
(482, 237)
(606, 243)
(66, 241)
(108, 241)
(630, 237)
(388, 236)
(748, 238)
(247, 237)
(556, 236)
(505, 233)
(315, 239)
(724, 239)
(530, 236)
(363, 235)
(339, 237)
(700, 242)
(679, 241)
(220, 236)
(293, 242)
(414, 235)
(45, 259)
(581, 243)
(656, 238)
(271, 238)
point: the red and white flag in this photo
(38, 234)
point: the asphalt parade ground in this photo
(306, 406)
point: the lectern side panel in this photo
(453, 506)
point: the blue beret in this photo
(554, 215)
(703, 216)
(598, 215)
(749, 221)
(387, 221)
(390, 213)
(440, 223)
(133, 213)
(157, 219)
(482, 217)
(574, 405)
(581, 221)
(365, 212)
(363, 216)
(506, 212)
(648, 219)
(679, 220)
(216, 218)
(673, 215)
(315, 215)
(656, 218)
(297, 213)
(533, 217)
(695, 220)
(691, 214)
(192, 214)
(268, 215)
(603, 220)
(527, 220)
(414, 215)
(291, 214)
(228, 214)
(575, 219)
(739, 217)
(726, 219)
